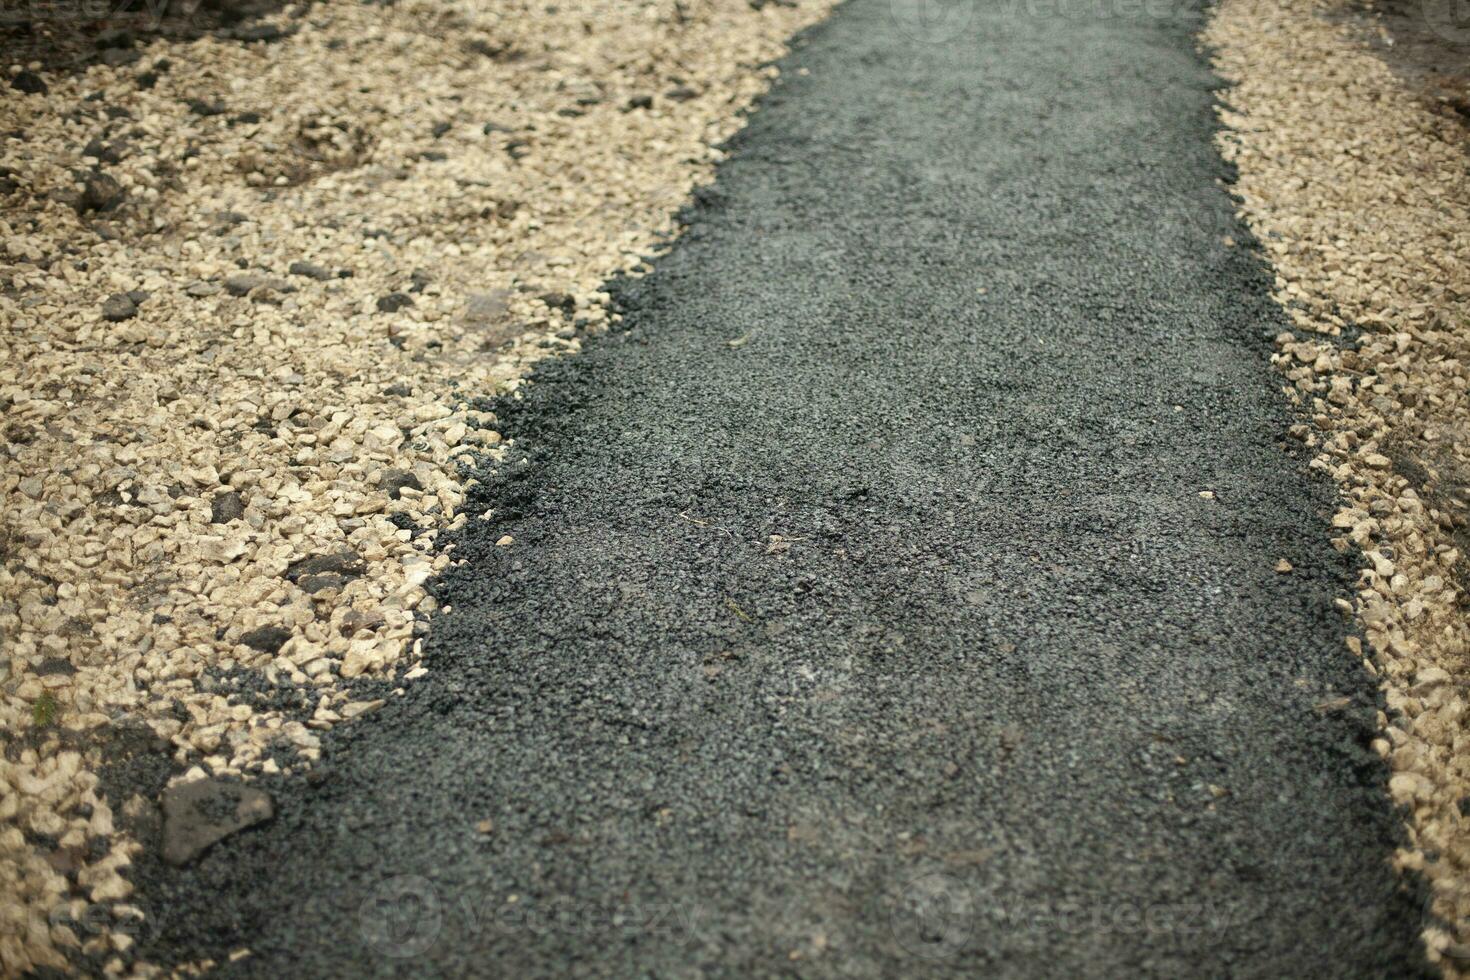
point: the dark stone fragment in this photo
(259, 33)
(311, 271)
(266, 639)
(494, 50)
(226, 507)
(201, 813)
(312, 584)
(393, 481)
(30, 83)
(346, 563)
(119, 307)
(560, 301)
(100, 193)
(241, 285)
(394, 302)
(248, 283)
(107, 152)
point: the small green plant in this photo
(43, 713)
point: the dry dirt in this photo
(1353, 175)
(253, 282)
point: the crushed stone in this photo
(1352, 176)
(253, 293)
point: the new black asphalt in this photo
(869, 613)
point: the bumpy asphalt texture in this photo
(865, 616)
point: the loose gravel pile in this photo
(253, 286)
(1356, 186)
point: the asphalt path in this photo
(895, 595)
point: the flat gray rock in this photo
(198, 814)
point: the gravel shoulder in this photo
(1352, 174)
(253, 275)
(920, 581)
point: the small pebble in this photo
(226, 507)
(29, 82)
(100, 192)
(119, 307)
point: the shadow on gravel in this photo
(72, 35)
(1426, 44)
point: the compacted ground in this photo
(920, 580)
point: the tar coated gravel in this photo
(902, 592)
(249, 279)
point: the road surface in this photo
(896, 595)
